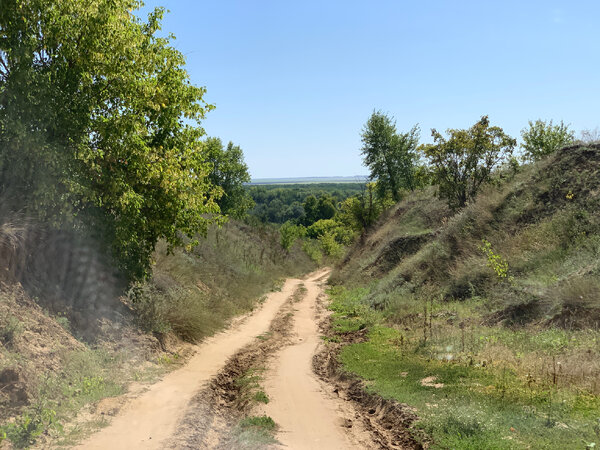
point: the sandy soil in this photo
(308, 416)
(147, 421)
(200, 405)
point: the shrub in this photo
(330, 245)
(313, 250)
(542, 139)
(342, 235)
(10, 329)
(289, 232)
(494, 261)
(464, 162)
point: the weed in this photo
(265, 336)
(63, 321)
(255, 432)
(261, 397)
(11, 329)
(299, 293)
(263, 422)
(494, 261)
(24, 431)
(249, 387)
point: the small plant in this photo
(262, 422)
(11, 329)
(261, 397)
(299, 293)
(26, 429)
(167, 360)
(63, 321)
(256, 432)
(249, 387)
(495, 262)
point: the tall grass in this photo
(194, 293)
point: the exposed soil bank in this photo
(387, 421)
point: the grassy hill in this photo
(486, 321)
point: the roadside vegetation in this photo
(481, 302)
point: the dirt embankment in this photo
(388, 422)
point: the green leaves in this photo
(542, 139)
(389, 155)
(229, 172)
(100, 126)
(464, 161)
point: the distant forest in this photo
(283, 202)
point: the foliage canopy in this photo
(465, 160)
(389, 155)
(229, 172)
(99, 125)
(542, 139)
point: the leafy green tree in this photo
(542, 139)
(464, 162)
(310, 210)
(289, 233)
(99, 126)
(361, 211)
(318, 208)
(229, 172)
(389, 156)
(330, 245)
(342, 234)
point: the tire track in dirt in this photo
(150, 419)
(308, 415)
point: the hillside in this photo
(496, 308)
(70, 335)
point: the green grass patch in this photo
(462, 401)
(262, 422)
(255, 432)
(260, 397)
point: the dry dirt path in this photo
(148, 420)
(180, 412)
(308, 416)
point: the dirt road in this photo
(308, 417)
(149, 420)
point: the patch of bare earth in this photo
(315, 407)
(212, 415)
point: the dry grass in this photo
(194, 294)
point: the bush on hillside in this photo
(542, 139)
(464, 162)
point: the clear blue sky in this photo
(294, 81)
